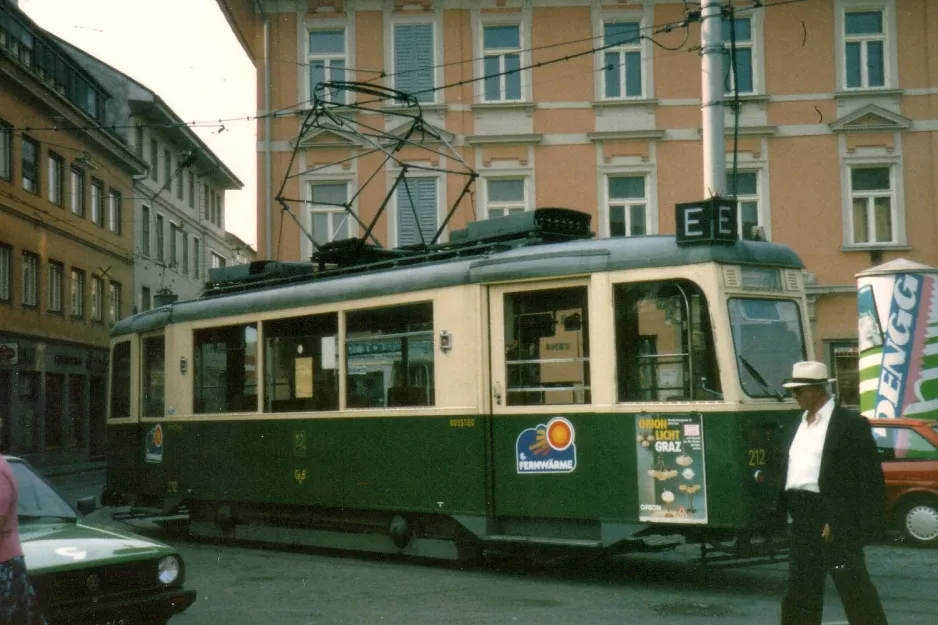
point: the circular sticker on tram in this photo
(559, 433)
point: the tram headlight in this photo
(168, 569)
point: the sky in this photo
(186, 53)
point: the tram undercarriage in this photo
(460, 538)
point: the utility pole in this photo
(714, 141)
(715, 218)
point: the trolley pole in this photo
(714, 141)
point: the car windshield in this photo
(768, 339)
(36, 497)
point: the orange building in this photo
(66, 247)
(593, 105)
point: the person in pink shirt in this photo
(18, 603)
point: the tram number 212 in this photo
(756, 457)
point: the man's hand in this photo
(826, 533)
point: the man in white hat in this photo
(835, 494)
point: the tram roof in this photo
(536, 261)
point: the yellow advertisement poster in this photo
(304, 378)
(672, 485)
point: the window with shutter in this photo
(420, 201)
(414, 60)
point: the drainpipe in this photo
(267, 142)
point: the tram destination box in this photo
(706, 222)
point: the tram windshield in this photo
(767, 338)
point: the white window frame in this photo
(196, 257)
(173, 245)
(184, 244)
(6, 273)
(524, 205)
(393, 234)
(308, 59)
(56, 178)
(28, 184)
(54, 284)
(97, 298)
(97, 202)
(761, 197)
(77, 202)
(479, 23)
(6, 151)
(623, 50)
(890, 45)
(896, 195)
(77, 293)
(392, 19)
(645, 17)
(114, 301)
(651, 195)
(218, 261)
(145, 229)
(30, 290)
(305, 245)
(755, 46)
(114, 210)
(160, 222)
(626, 203)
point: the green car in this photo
(88, 575)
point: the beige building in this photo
(66, 246)
(836, 147)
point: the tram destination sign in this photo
(706, 222)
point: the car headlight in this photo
(168, 569)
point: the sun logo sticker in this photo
(154, 444)
(547, 448)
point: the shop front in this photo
(52, 400)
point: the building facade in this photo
(593, 105)
(179, 205)
(66, 246)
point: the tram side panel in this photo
(424, 464)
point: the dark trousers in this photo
(811, 557)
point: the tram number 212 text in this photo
(756, 457)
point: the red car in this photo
(908, 449)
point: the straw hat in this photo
(808, 373)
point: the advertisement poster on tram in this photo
(898, 341)
(671, 476)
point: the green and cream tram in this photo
(523, 384)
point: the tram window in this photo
(120, 380)
(664, 343)
(226, 369)
(767, 338)
(300, 364)
(389, 356)
(547, 347)
(153, 359)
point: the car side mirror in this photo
(87, 505)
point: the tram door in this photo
(540, 377)
(123, 449)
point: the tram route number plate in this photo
(706, 222)
(113, 621)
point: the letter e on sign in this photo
(706, 222)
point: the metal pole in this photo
(267, 141)
(714, 147)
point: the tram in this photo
(523, 385)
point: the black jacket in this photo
(853, 490)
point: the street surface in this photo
(245, 585)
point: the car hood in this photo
(49, 547)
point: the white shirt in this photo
(804, 457)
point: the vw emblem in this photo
(93, 583)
